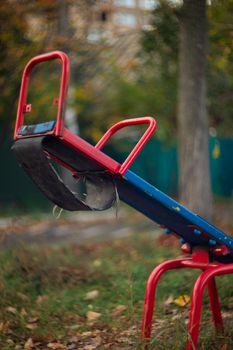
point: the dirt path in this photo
(73, 228)
(80, 226)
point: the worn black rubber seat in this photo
(33, 155)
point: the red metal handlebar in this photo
(24, 88)
(141, 143)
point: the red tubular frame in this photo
(64, 134)
(24, 89)
(141, 143)
(205, 279)
(76, 142)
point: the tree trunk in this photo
(195, 186)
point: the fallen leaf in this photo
(86, 334)
(22, 296)
(4, 326)
(168, 301)
(41, 299)
(18, 347)
(119, 308)
(10, 341)
(182, 300)
(23, 312)
(92, 295)
(11, 309)
(29, 344)
(31, 326)
(92, 315)
(56, 346)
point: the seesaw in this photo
(206, 247)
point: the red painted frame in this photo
(101, 158)
(199, 260)
(141, 143)
(22, 105)
(64, 134)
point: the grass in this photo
(43, 297)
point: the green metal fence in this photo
(16, 189)
(221, 165)
(157, 164)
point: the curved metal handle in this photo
(141, 143)
(24, 88)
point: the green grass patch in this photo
(43, 294)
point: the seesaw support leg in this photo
(150, 295)
(215, 305)
(195, 312)
(205, 279)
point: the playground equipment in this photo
(207, 248)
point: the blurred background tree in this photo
(193, 130)
(153, 72)
(220, 72)
(16, 48)
(29, 28)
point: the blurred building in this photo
(113, 18)
(112, 28)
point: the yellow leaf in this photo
(216, 151)
(182, 300)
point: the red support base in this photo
(200, 260)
